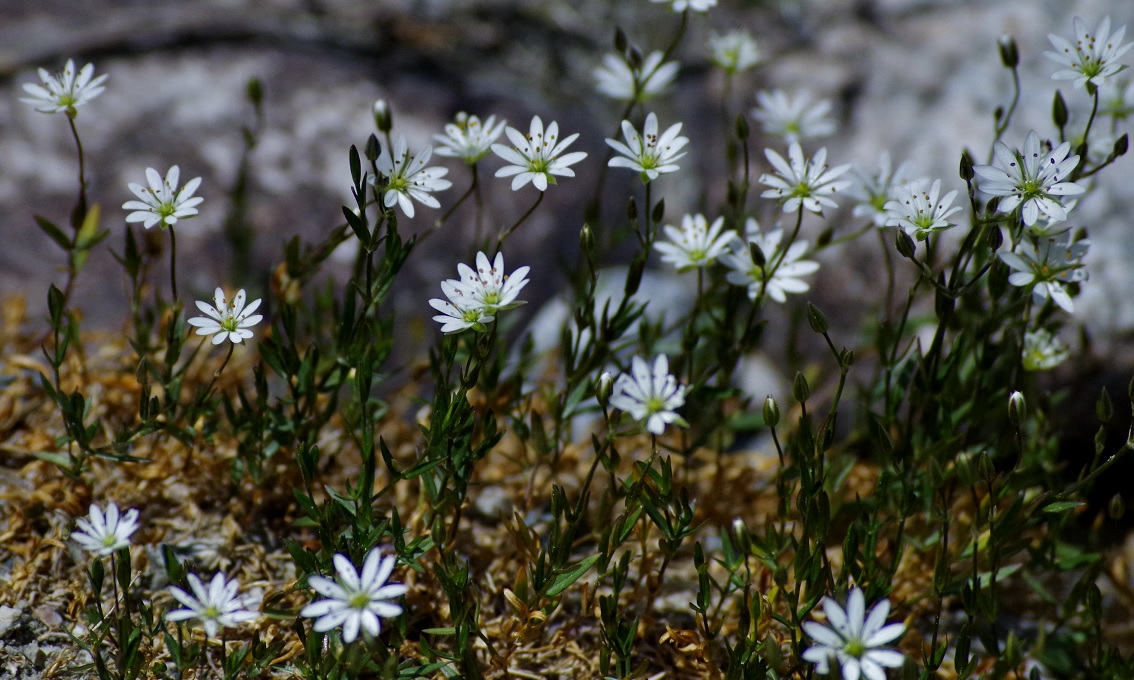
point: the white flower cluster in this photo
(479, 295)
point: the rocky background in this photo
(917, 77)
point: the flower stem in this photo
(81, 209)
(504, 234)
(173, 262)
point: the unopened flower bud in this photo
(771, 412)
(741, 539)
(1059, 110)
(603, 386)
(383, 118)
(1017, 408)
(587, 239)
(1009, 54)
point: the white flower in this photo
(920, 212)
(224, 322)
(536, 157)
(696, 244)
(854, 640)
(1091, 58)
(649, 395)
(734, 51)
(1043, 351)
(468, 139)
(162, 203)
(805, 183)
(65, 91)
(617, 80)
(695, 5)
(105, 532)
(215, 607)
(649, 153)
(479, 295)
(355, 600)
(793, 118)
(407, 177)
(1030, 180)
(876, 190)
(1045, 270)
(778, 274)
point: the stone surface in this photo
(918, 77)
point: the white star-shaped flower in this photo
(780, 272)
(874, 191)
(408, 178)
(65, 91)
(537, 158)
(224, 322)
(1045, 269)
(695, 244)
(163, 203)
(804, 183)
(356, 600)
(793, 118)
(617, 80)
(1031, 179)
(921, 212)
(734, 51)
(853, 640)
(214, 607)
(103, 533)
(649, 394)
(469, 139)
(479, 295)
(1043, 351)
(649, 153)
(1091, 58)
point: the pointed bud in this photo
(603, 387)
(373, 149)
(587, 239)
(383, 118)
(799, 388)
(1121, 146)
(1009, 53)
(1017, 408)
(905, 244)
(771, 412)
(816, 318)
(620, 41)
(967, 173)
(1059, 110)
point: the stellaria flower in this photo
(649, 153)
(355, 600)
(103, 533)
(921, 212)
(536, 157)
(853, 639)
(1045, 269)
(224, 322)
(804, 183)
(695, 5)
(793, 118)
(1091, 58)
(617, 80)
(214, 607)
(65, 91)
(734, 51)
(1030, 180)
(650, 394)
(468, 139)
(1043, 351)
(163, 203)
(696, 244)
(877, 189)
(408, 178)
(479, 295)
(778, 274)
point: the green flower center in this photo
(359, 600)
(855, 648)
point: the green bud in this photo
(1009, 54)
(800, 390)
(757, 255)
(1121, 146)
(1017, 408)
(634, 57)
(771, 412)
(967, 173)
(905, 244)
(383, 118)
(634, 277)
(1059, 110)
(255, 91)
(816, 319)
(1104, 408)
(740, 537)
(587, 239)
(620, 41)
(994, 238)
(632, 210)
(373, 149)
(741, 126)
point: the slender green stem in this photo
(504, 234)
(173, 262)
(81, 212)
